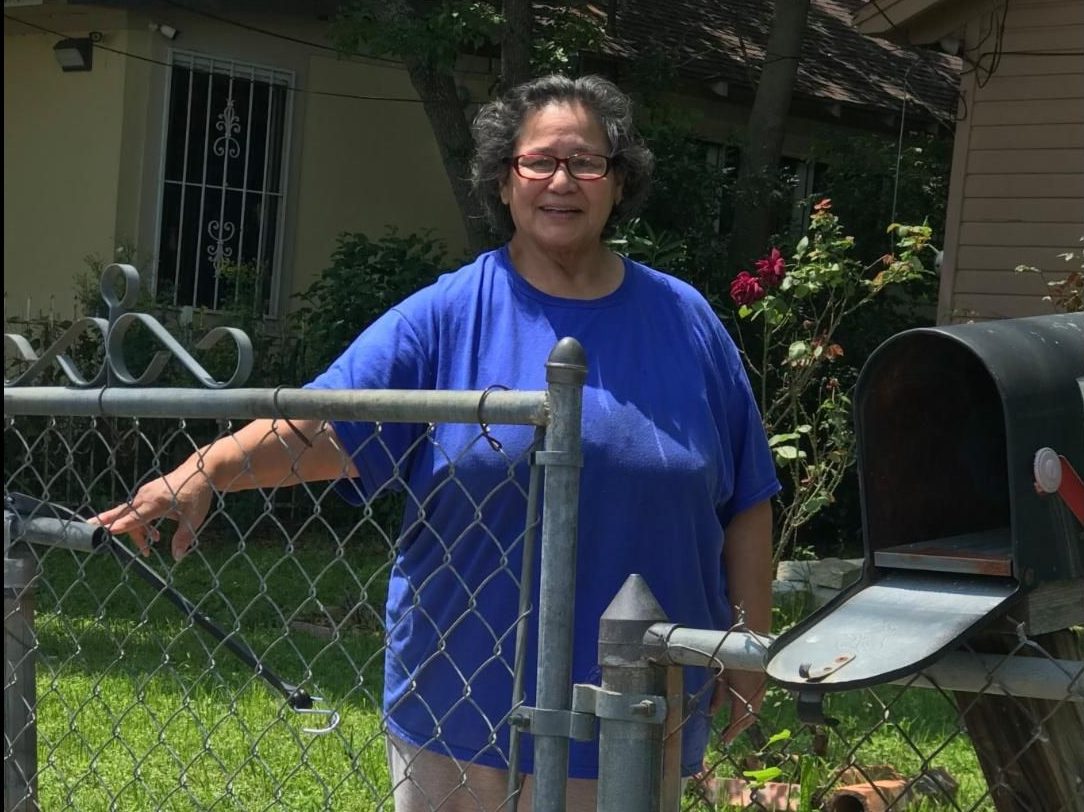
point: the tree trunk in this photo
(444, 110)
(436, 87)
(516, 43)
(1031, 750)
(760, 160)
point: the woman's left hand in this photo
(745, 690)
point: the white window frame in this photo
(245, 71)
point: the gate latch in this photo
(589, 703)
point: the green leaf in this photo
(798, 349)
(782, 736)
(776, 439)
(803, 244)
(745, 311)
(787, 452)
(761, 776)
(807, 784)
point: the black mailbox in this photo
(970, 440)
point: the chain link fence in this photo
(116, 697)
(253, 675)
(995, 724)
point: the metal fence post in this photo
(20, 695)
(566, 371)
(630, 736)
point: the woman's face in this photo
(561, 213)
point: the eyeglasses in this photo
(582, 166)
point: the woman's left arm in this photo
(747, 558)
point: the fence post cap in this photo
(567, 362)
(625, 624)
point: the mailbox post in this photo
(970, 444)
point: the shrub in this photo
(365, 278)
(790, 316)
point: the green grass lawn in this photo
(137, 710)
(906, 731)
(888, 730)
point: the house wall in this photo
(62, 157)
(1017, 190)
(83, 151)
(365, 165)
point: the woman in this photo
(675, 458)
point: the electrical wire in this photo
(286, 37)
(274, 34)
(998, 26)
(290, 88)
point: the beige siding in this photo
(1023, 210)
(62, 153)
(1055, 235)
(1029, 136)
(1022, 161)
(378, 166)
(1045, 86)
(1017, 193)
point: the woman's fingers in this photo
(745, 690)
(185, 536)
(135, 517)
(186, 500)
(718, 695)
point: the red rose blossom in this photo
(771, 269)
(746, 289)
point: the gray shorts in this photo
(424, 781)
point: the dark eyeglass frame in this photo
(609, 159)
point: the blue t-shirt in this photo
(673, 448)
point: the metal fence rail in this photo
(114, 699)
(924, 741)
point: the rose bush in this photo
(790, 315)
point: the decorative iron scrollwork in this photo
(120, 291)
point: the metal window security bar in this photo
(223, 176)
(114, 699)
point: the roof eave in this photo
(916, 22)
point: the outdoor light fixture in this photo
(76, 54)
(167, 31)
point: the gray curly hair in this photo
(499, 123)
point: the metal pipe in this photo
(1034, 677)
(526, 592)
(20, 691)
(384, 405)
(630, 749)
(566, 371)
(69, 534)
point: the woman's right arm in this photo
(263, 454)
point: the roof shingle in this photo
(712, 40)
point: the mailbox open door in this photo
(970, 442)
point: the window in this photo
(223, 184)
(806, 177)
(726, 160)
